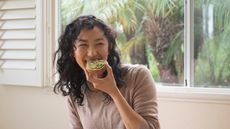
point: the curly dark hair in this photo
(71, 76)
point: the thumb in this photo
(108, 68)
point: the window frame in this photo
(52, 32)
(187, 92)
(188, 38)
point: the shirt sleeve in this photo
(73, 115)
(144, 96)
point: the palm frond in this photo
(125, 50)
(108, 8)
(175, 44)
(162, 7)
(69, 12)
(122, 11)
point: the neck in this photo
(90, 86)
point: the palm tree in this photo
(160, 27)
(120, 13)
(129, 15)
(164, 31)
(144, 23)
(158, 24)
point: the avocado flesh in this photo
(95, 64)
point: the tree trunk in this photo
(138, 55)
(160, 31)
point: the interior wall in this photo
(176, 114)
(31, 108)
(39, 108)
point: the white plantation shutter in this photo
(21, 42)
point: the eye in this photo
(99, 44)
(82, 45)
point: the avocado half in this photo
(95, 64)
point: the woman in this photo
(116, 96)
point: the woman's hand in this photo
(106, 84)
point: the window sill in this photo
(190, 94)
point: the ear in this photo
(71, 55)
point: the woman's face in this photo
(90, 44)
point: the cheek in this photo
(105, 52)
(78, 57)
(107, 49)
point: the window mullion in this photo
(189, 44)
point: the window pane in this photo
(211, 43)
(150, 32)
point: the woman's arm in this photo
(142, 91)
(131, 119)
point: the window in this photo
(211, 43)
(184, 43)
(149, 32)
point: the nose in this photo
(92, 52)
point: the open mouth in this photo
(95, 64)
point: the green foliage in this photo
(127, 17)
(213, 63)
(124, 49)
(174, 49)
(125, 12)
(69, 12)
(162, 7)
(153, 65)
(127, 46)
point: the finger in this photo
(108, 68)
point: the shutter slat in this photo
(21, 37)
(17, 4)
(17, 24)
(1, 63)
(29, 65)
(17, 14)
(17, 34)
(18, 44)
(18, 55)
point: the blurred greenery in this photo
(212, 68)
(153, 68)
(151, 32)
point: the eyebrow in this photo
(99, 39)
(81, 40)
(84, 40)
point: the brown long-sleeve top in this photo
(139, 91)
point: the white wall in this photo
(39, 108)
(31, 108)
(194, 114)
